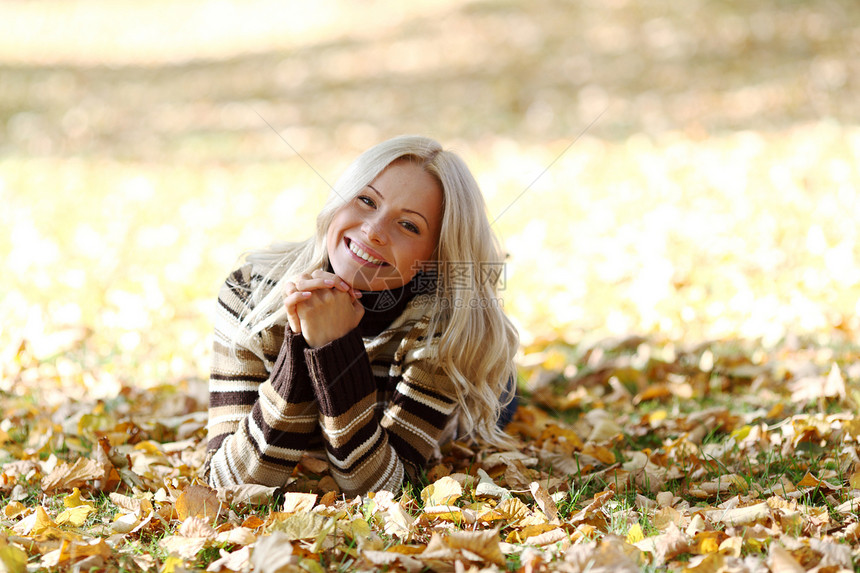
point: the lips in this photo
(359, 252)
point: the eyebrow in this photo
(406, 210)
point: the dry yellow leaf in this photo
(76, 515)
(12, 559)
(34, 524)
(707, 542)
(601, 453)
(443, 491)
(196, 527)
(567, 440)
(666, 515)
(236, 536)
(14, 509)
(708, 563)
(124, 522)
(304, 525)
(74, 499)
(635, 534)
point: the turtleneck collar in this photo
(381, 307)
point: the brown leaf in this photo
(484, 544)
(198, 501)
(137, 506)
(544, 501)
(68, 476)
(314, 465)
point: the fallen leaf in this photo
(781, 561)
(740, 515)
(75, 516)
(635, 534)
(198, 501)
(274, 554)
(302, 526)
(295, 502)
(484, 544)
(544, 501)
(68, 476)
(12, 559)
(445, 491)
(239, 560)
(250, 493)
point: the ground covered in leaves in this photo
(632, 455)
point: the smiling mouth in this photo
(358, 252)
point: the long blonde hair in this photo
(478, 341)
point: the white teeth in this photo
(355, 249)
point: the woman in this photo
(377, 339)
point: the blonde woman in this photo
(375, 340)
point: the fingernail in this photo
(329, 282)
(343, 285)
(306, 294)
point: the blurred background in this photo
(685, 171)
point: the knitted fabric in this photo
(378, 406)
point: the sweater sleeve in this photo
(368, 452)
(260, 422)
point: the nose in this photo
(372, 229)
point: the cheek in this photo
(424, 252)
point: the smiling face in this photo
(378, 240)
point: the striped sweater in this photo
(378, 405)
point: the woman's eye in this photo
(411, 227)
(366, 200)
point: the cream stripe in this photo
(394, 476)
(286, 454)
(233, 386)
(227, 419)
(275, 414)
(398, 421)
(348, 429)
(413, 393)
(362, 448)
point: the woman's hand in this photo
(327, 315)
(302, 288)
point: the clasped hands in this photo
(322, 307)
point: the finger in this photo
(291, 303)
(314, 284)
(331, 280)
